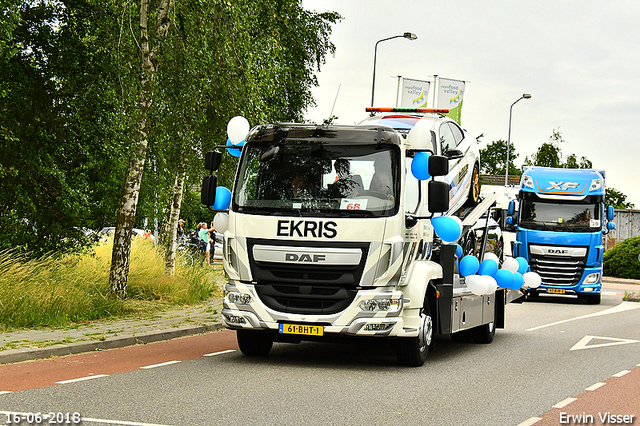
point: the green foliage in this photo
(69, 90)
(622, 261)
(549, 154)
(57, 290)
(617, 199)
(494, 157)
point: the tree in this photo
(550, 155)
(494, 156)
(617, 199)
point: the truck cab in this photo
(328, 236)
(559, 229)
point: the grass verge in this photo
(62, 290)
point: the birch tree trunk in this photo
(125, 220)
(178, 190)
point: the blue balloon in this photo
(523, 265)
(458, 251)
(447, 228)
(468, 265)
(223, 199)
(519, 281)
(420, 166)
(235, 151)
(505, 278)
(488, 267)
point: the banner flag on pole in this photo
(450, 94)
(414, 93)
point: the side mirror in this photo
(208, 191)
(438, 196)
(438, 166)
(510, 220)
(212, 160)
(512, 208)
(611, 226)
(453, 154)
(610, 213)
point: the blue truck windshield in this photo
(293, 177)
(553, 215)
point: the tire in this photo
(254, 343)
(484, 333)
(592, 299)
(412, 351)
(474, 187)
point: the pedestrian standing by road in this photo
(204, 236)
(180, 233)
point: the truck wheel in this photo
(474, 188)
(254, 343)
(412, 351)
(593, 299)
(484, 333)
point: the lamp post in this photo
(408, 36)
(506, 172)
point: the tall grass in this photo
(59, 290)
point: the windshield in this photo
(310, 178)
(552, 215)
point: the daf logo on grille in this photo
(294, 257)
(557, 251)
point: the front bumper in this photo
(243, 309)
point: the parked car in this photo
(450, 140)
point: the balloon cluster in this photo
(237, 130)
(513, 275)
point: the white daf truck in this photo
(327, 235)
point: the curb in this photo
(26, 354)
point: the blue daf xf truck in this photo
(559, 227)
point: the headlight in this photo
(237, 298)
(527, 181)
(595, 184)
(592, 278)
(381, 305)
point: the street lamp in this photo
(506, 172)
(408, 36)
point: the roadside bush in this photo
(622, 261)
(59, 290)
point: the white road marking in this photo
(583, 343)
(88, 419)
(4, 392)
(82, 379)
(622, 307)
(596, 386)
(564, 403)
(160, 365)
(622, 373)
(531, 421)
(220, 353)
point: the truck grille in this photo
(558, 270)
(306, 288)
(303, 299)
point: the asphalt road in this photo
(549, 352)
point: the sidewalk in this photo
(24, 345)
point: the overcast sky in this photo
(580, 61)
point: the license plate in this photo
(556, 290)
(308, 330)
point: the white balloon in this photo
(492, 284)
(532, 279)
(476, 284)
(511, 264)
(221, 222)
(420, 135)
(237, 129)
(491, 256)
